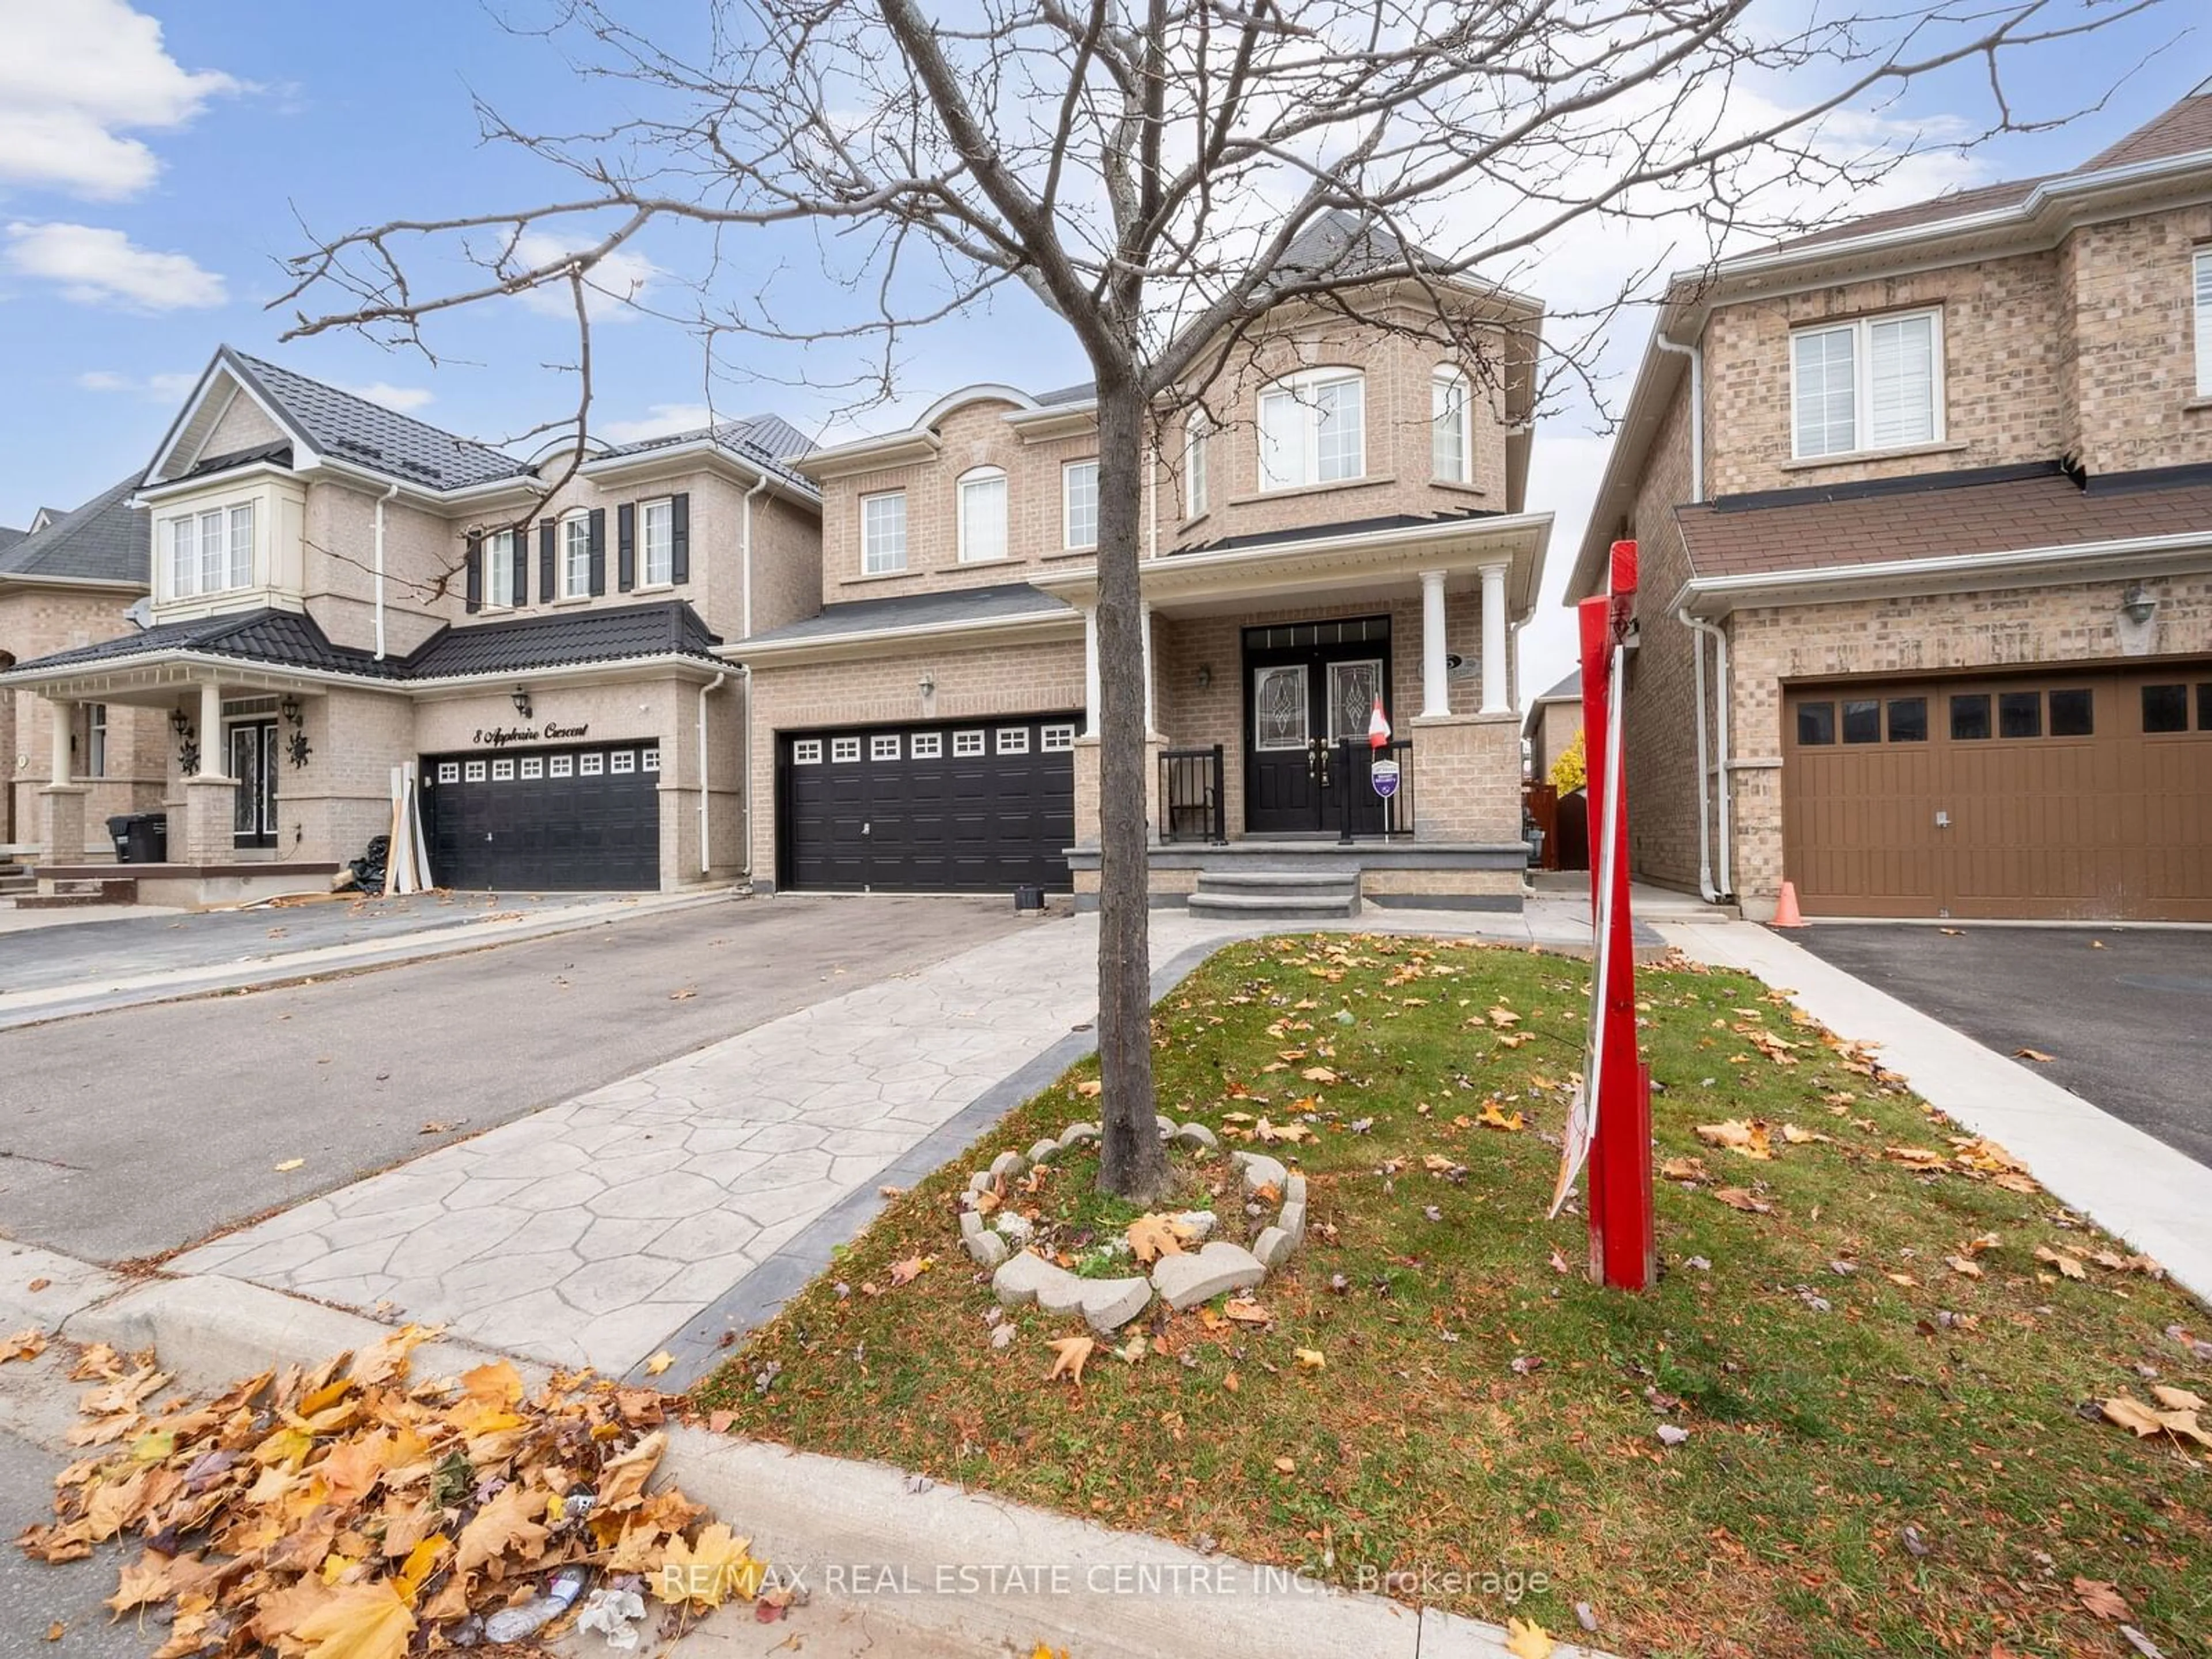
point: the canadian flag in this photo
(1378, 727)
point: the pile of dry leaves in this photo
(345, 1512)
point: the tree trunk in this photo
(1133, 1163)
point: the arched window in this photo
(1197, 430)
(1451, 427)
(1312, 428)
(983, 492)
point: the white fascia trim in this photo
(150, 495)
(981, 392)
(238, 383)
(698, 449)
(1042, 621)
(33, 579)
(1083, 577)
(1982, 568)
(689, 666)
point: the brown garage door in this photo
(2052, 794)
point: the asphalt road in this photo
(134, 1133)
(2128, 1027)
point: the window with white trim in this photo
(1312, 428)
(806, 751)
(562, 766)
(966, 743)
(533, 765)
(982, 493)
(1196, 432)
(211, 552)
(883, 533)
(844, 748)
(884, 746)
(656, 535)
(2202, 270)
(498, 555)
(477, 769)
(1078, 495)
(1056, 738)
(1013, 740)
(1871, 384)
(95, 740)
(648, 760)
(1451, 428)
(503, 771)
(576, 556)
(623, 760)
(926, 746)
(591, 766)
(449, 771)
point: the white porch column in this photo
(1436, 673)
(1495, 699)
(63, 716)
(1152, 716)
(214, 763)
(1090, 697)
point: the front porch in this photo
(1265, 789)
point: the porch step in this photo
(18, 880)
(70, 893)
(1276, 895)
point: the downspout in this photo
(745, 872)
(706, 863)
(380, 501)
(1707, 890)
(746, 542)
(1696, 356)
(1724, 877)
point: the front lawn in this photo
(1881, 1358)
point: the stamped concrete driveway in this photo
(131, 1134)
(2125, 1014)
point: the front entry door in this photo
(1310, 686)
(254, 763)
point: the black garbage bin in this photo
(118, 831)
(149, 838)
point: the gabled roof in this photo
(347, 428)
(670, 628)
(1569, 689)
(106, 540)
(759, 441)
(282, 638)
(9, 537)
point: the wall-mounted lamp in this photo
(289, 709)
(929, 683)
(521, 701)
(1204, 675)
(2138, 605)
(178, 723)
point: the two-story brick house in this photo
(337, 589)
(1334, 517)
(1926, 507)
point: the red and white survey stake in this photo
(1609, 1127)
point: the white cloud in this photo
(155, 388)
(657, 421)
(406, 400)
(99, 267)
(76, 75)
(614, 284)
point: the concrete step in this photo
(1275, 880)
(1273, 907)
(74, 891)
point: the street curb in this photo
(70, 1286)
(25, 1008)
(863, 1536)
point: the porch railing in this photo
(1192, 804)
(1356, 766)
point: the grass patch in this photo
(1917, 1397)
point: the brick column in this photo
(210, 822)
(1466, 778)
(63, 811)
(1086, 791)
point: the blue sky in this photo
(153, 155)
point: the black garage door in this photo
(974, 807)
(546, 819)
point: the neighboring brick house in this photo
(1925, 509)
(336, 588)
(1338, 518)
(73, 580)
(1555, 720)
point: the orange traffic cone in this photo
(1786, 914)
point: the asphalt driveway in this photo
(132, 1134)
(2125, 1014)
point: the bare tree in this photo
(1153, 172)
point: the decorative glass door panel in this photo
(1311, 685)
(1353, 689)
(254, 763)
(1278, 708)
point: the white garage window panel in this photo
(589, 766)
(1054, 738)
(477, 771)
(533, 765)
(502, 771)
(564, 766)
(623, 760)
(1013, 740)
(926, 746)
(449, 771)
(885, 747)
(844, 748)
(649, 759)
(966, 743)
(807, 751)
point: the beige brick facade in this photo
(37, 619)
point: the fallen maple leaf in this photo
(1750, 1139)
(1491, 1118)
(659, 1363)
(1739, 1198)
(1286, 1466)
(1525, 1639)
(1684, 1169)
(27, 1344)
(2031, 1054)
(2179, 1399)
(1152, 1237)
(703, 1572)
(1319, 1075)
(1246, 1311)
(1070, 1354)
(906, 1272)
(508, 1524)
(1311, 1358)
(359, 1621)
(1960, 1264)
(2065, 1264)
(2101, 1597)
(1090, 1088)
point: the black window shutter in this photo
(546, 590)
(598, 552)
(679, 539)
(518, 547)
(626, 546)
(475, 574)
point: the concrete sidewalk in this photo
(2129, 1183)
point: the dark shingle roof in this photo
(282, 638)
(9, 537)
(1568, 690)
(106, 540)
(2180, 130)
(762, 440)
(1082, 393)
(1347, 527)
(921, 611)
(1943, 517)
(670, 628)
(279, 453)
(350, 429)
